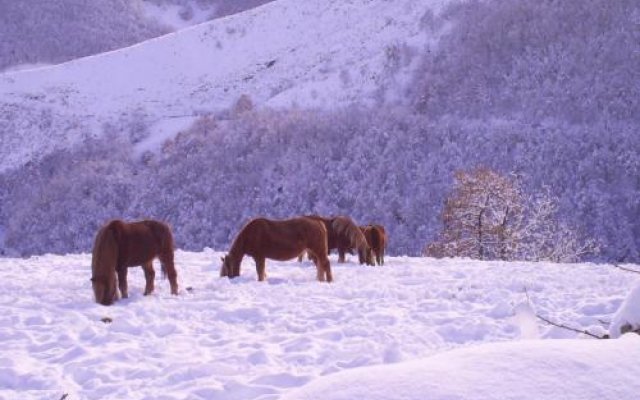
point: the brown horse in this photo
(377, 239)
(262, 238)
(120, 245)
(344, 235)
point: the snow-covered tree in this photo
(488, 217)
(482, 217)
(544, 237)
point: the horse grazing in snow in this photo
(119, 245)
(283, 240)
(377, 239)
(344, 235)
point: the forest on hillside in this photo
(544, 90)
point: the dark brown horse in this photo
(262, 238)
(344, 235)
(120, 245)
(377, 239)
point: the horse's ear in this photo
(222, 259)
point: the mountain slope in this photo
(40, 32)
(310, 54)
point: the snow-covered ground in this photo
(286, 53)
(415, 320)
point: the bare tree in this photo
(482, 217)
(488, 217)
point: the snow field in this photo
(242, 339)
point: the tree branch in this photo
(548, 321)
(626, 269)
(570, 328)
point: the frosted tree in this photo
(488, 217)
(544, 237)
(482, 217)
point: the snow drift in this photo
(559, 369)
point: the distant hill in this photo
(41, 32)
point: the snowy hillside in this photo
(40, 32)
(310, 54)
(240, 339)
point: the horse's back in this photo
(141, 241)
(282, 239)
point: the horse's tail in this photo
(164, 237)
(376, 239)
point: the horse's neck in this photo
(237, 251)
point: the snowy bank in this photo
(550, 369)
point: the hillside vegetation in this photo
(547, 90)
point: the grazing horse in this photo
(344, 235)
(377, 239)
(262, 238)
(120, 245)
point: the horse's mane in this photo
(105, 249)
(104, 260)
(346, 228)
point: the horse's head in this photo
(365, 255)
(104, 290)
(227, 268)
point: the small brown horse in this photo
(377, 239)
(262, 238)
(119, 245)
(344, 235)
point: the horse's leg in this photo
(260, 268)
(149, 276)
(320, 275)
(326, 266)
(122, 281)
(169, 268)
(320, 271)
(341, 254)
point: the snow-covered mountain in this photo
(285, 53)
(41, 32)
(518, 87)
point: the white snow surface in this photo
(287, 53)
(552, 369)
(627, 318)
(415, 328)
